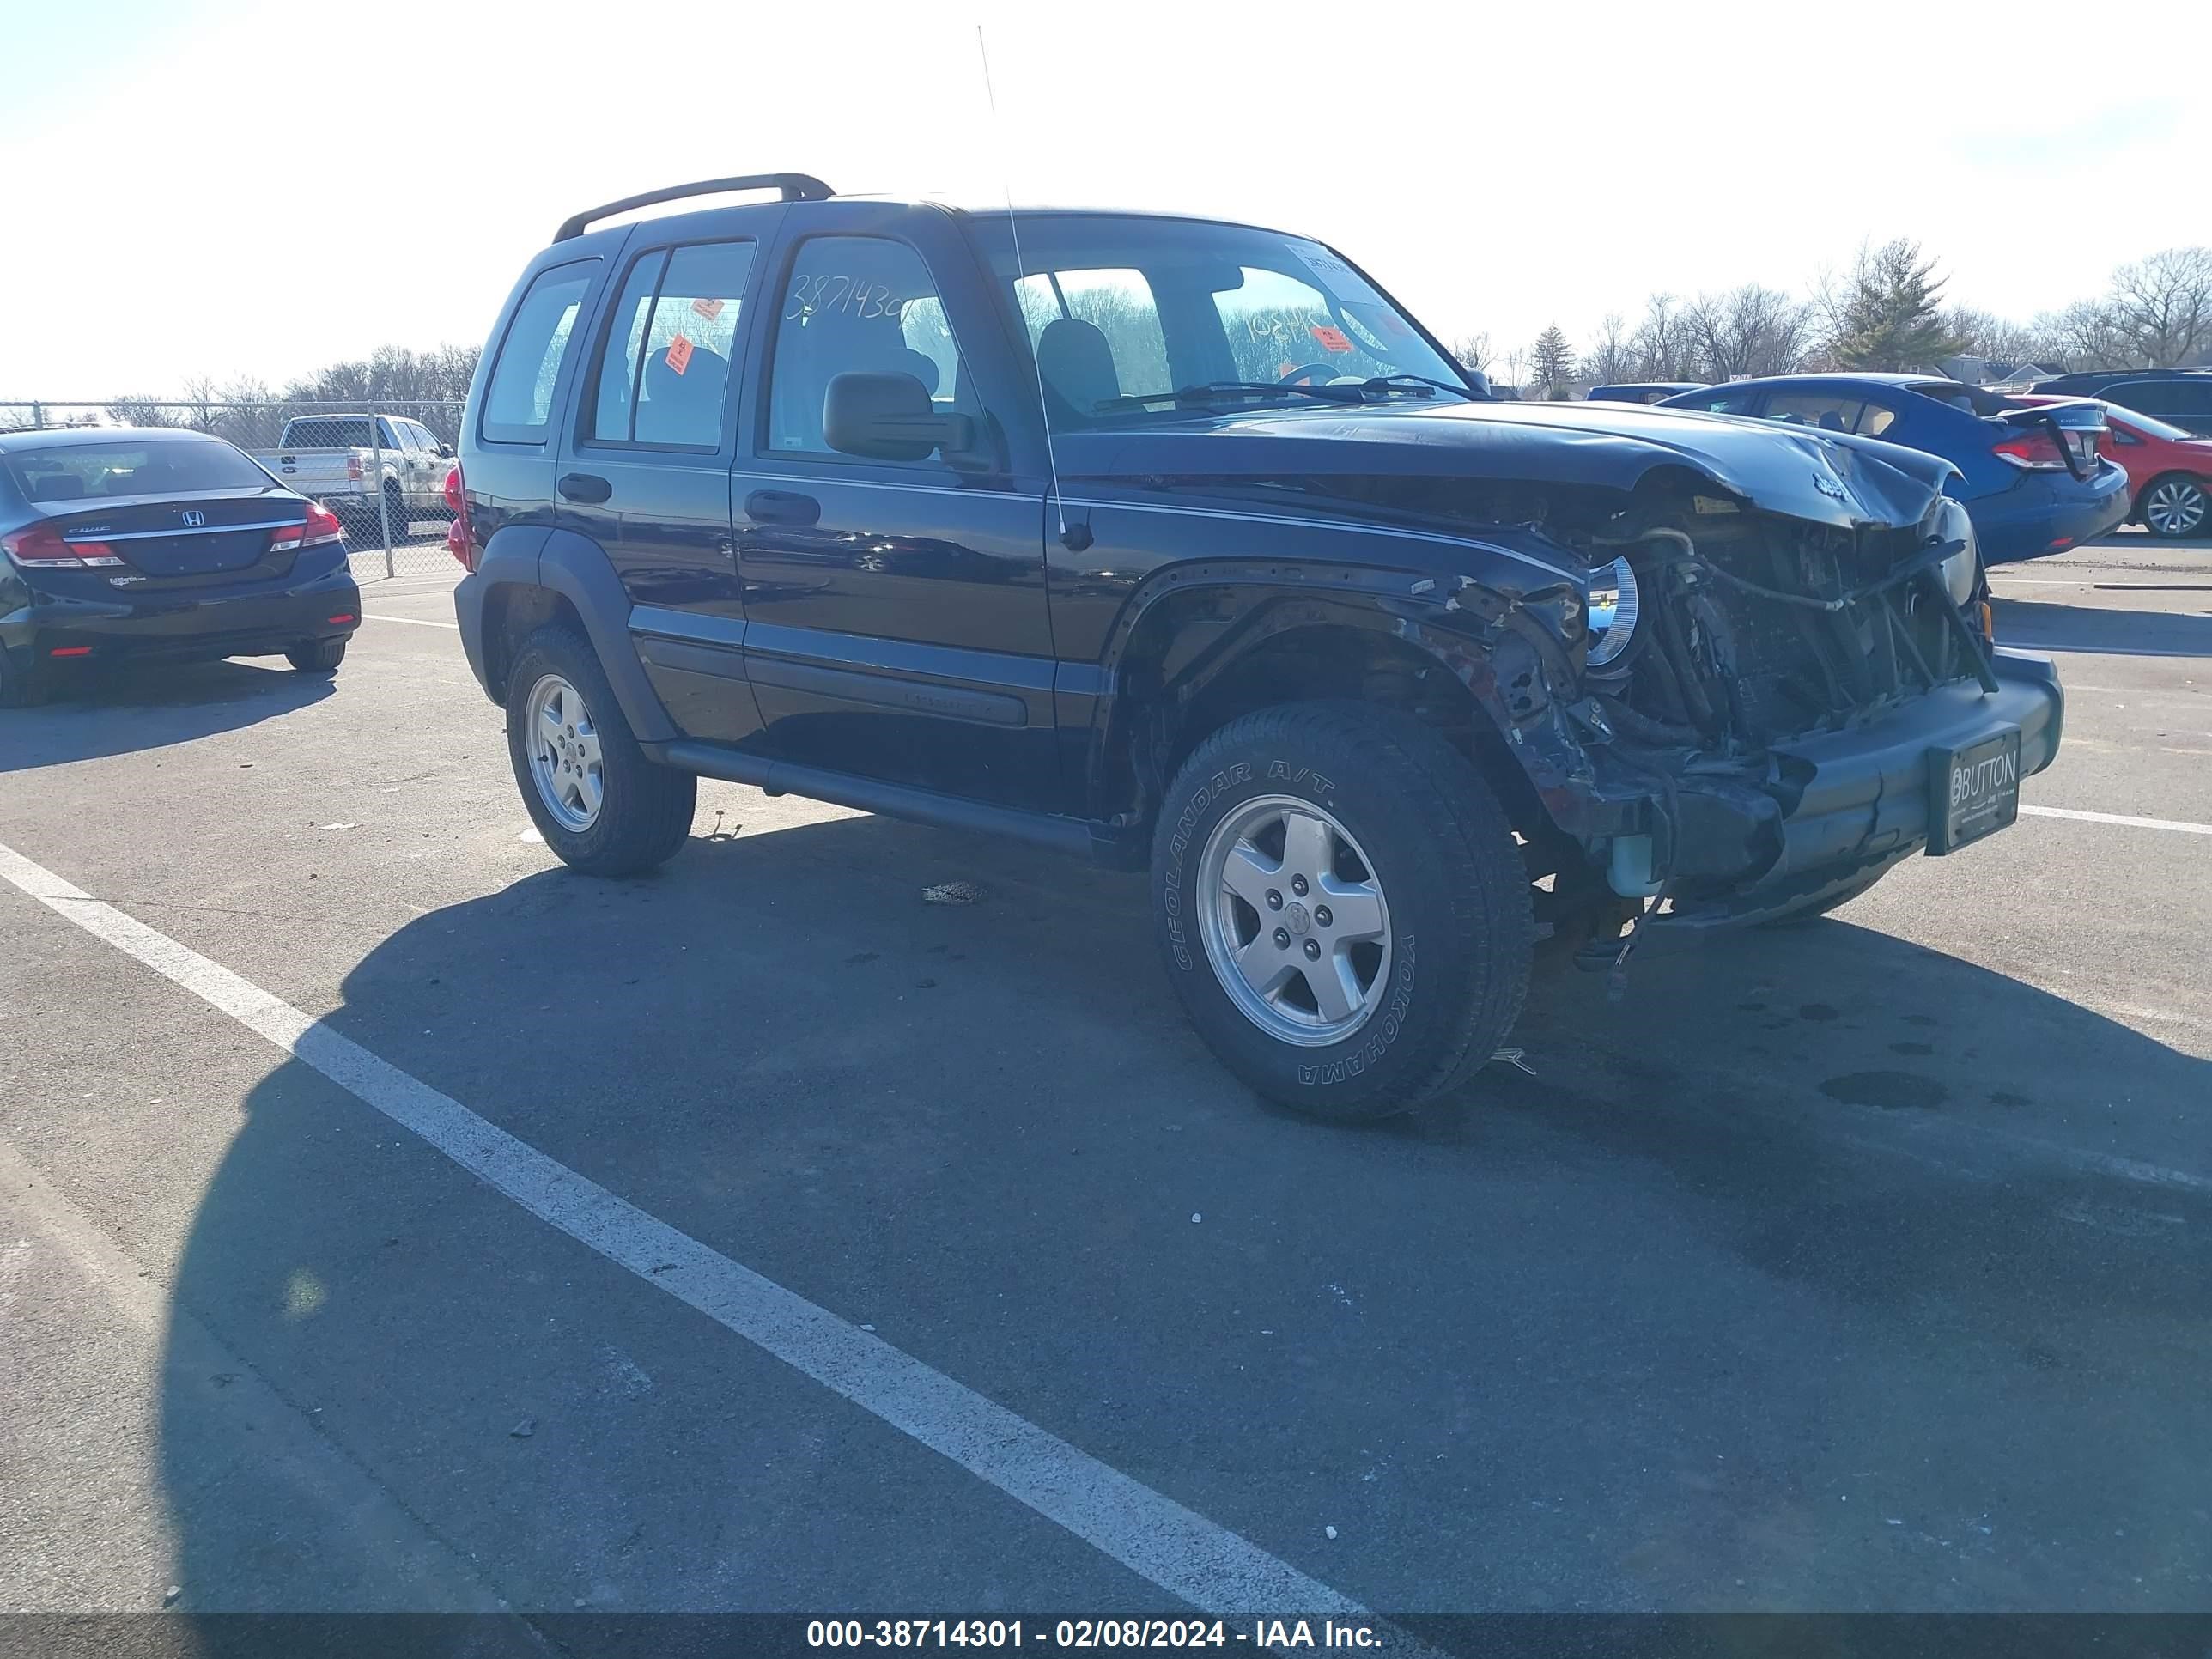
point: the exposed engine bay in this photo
(1733, 630)
(1714, 626)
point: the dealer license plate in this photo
(1976, 790)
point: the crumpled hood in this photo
(1825, 477)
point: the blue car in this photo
(2030, 478)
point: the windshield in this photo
(1125, 312)
(68, 472)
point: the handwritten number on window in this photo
(834, 293)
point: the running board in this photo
(1074, 836)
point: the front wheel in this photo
(1342, 908)
(2175, 506)
(603, 807)
(395, 512)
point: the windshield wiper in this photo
(1220, 391)
(1387, 382)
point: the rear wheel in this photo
(2176, 506)
(317, 656)
(20, 687)
(603, 807)
(1342, 908)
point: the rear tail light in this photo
(2033, 452)
(460, 542)
(353, 468)
(42, 547)
(322, 525)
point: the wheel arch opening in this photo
(512, 612)
(1322, 660)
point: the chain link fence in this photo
(381, 465)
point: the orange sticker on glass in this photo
(1335, 338)
(709, 309)
(679, 354)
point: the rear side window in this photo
(518, 401)
(1719, 400)
(2185, 398)
(1830, 411)
(76, 473)
(664, 368)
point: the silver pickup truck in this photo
(339, 461)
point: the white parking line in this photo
(1181, 1550)
(419, 621)
(2181, 825)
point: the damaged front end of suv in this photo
(1765, 692)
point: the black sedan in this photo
(127, 544)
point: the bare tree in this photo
(2161, 307)
(1611, 356)
(1661, 347)
(1996, 340)
(2085, 335)
(1748, 331)
(1474, 351)
(393, 375)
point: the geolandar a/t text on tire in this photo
(1214, 564)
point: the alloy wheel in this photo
(1294, 921)
(564, 753)
(2175, 508)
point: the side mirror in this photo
(890, 417)
(445, 452)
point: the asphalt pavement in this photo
(391, 1220)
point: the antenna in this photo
(1021, 275)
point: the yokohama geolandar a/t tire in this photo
(603, 807)
(1342, 907)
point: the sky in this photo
(224, 188)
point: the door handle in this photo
(585, 487)
(782, 506)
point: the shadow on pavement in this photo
(2046, 625)
(1690, 1319)
(121, 710)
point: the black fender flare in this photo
(510, 559)
(1450, 620)
(578, 569)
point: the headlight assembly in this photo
(1613, 607)
(1952, 525)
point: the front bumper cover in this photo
(1835, 809)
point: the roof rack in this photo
(795, 186)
